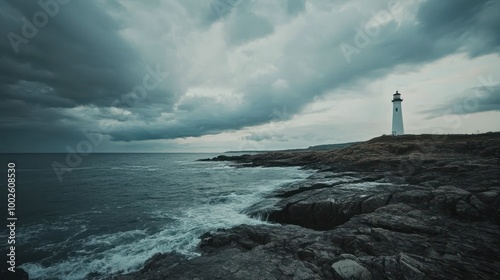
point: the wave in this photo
(220, 206)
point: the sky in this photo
(218, 75)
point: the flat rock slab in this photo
(351, 270)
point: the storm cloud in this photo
(140, 71)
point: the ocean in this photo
(114, 211)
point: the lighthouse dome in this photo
(396, 97)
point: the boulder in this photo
(351, 270)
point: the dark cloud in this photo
(245, 26)
(471, 26)
(77, 57)
(213, 10)
(89, 56)
(295, 6)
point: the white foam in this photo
(112, 239)
(126, 251)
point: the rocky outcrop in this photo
(405, 156)
(383, 209)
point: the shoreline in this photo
(431, 211)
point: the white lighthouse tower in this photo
(397, 115)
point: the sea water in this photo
(112, 212)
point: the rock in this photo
(412, 197)
(466, 211)
(409, 267)
(478, 204)
(488, 197)
(450, 191)
(306, 255)
(406, 207)
(446, 197)
(454, 168)
(400, 218)
(374, 202)
(348, 257)
(158, 260)
(351, 270)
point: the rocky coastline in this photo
(406, 207)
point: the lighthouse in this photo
(397, 115)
